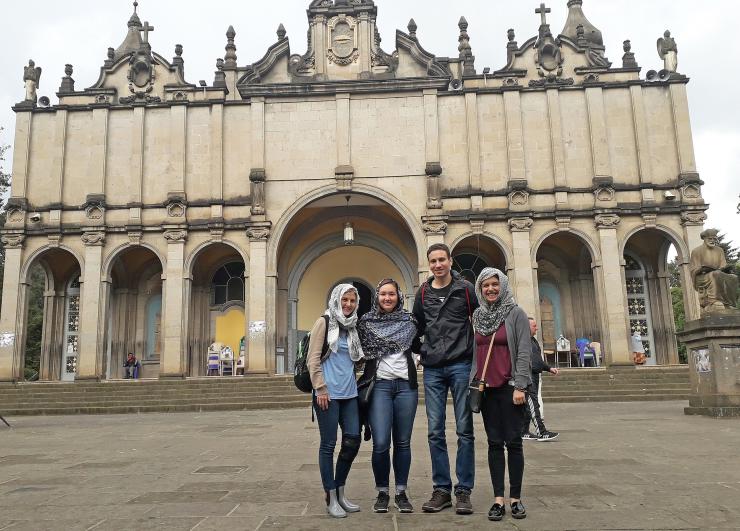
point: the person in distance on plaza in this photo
(444, 305)
(502, 332)
(532, 411)
(387, 334)
(335, 391)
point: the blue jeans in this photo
(344, 414)
(437, 381)
(392, 413)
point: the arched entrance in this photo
(135, 311)
(313, 258)
(218, 299)
(61, 313)
(648, 291)
(475, 253)
(567, 291)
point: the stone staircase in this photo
(263, 392)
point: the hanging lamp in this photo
(349, 229)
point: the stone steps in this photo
(264, 392)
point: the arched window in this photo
(228, 284)
(469, 265)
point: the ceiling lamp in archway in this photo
(349, 229)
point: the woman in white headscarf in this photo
(333, 350)
(503, 360)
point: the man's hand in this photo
(519, 397)
(323, 401)
(555, 371)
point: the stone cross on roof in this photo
(543, 11)
(146, 28)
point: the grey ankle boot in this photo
(332, 505)
(347, 505)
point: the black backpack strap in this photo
(325, 346)
(467, 296)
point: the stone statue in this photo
(668, 51)
(711, 275)
(31, 78)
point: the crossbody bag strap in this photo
(482, 384)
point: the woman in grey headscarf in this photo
(502, 337)
(333, 350)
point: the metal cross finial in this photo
(146, 28)
(543, 11)
(136, 5)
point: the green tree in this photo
(4, 186)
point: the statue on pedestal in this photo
(31, 79)
(712, 277)
(668, 51)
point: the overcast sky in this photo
(80, 31)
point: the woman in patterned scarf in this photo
(335, 389)
(502, 332)
(387, 333)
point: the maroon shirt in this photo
(499, 368)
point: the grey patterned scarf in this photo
(489, 316)
(338, 320)
(384, 333)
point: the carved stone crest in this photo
(258, 233)
(135, 237)
(520, 224)
(604, 193)
(519, 198)
(607, 221)
(176, 236)
(15, 215)
(691, 191)
(94, 213)
(13, 241)
(693, 218)
(435, 226)
(93, 238)
(343, 49)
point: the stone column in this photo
(693, 224)
(92, 327)
(173, 352)
(523, 282)
(13, 318)
(260, 327)
(52, 336)
(431, 150)
(613, 301)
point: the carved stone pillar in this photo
(262, 290)
(92, 305)
(693, 224)
(614, 325)
(523, 281)
(172, 363)
(12, 321)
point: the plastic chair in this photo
(214, 359)
(227, 361)
(586, 352)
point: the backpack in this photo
(301, 375)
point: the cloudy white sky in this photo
(80, 31)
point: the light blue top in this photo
(339, 371)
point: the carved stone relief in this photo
(693, 218)
(13, 241)
(93, 238)
(607, 221)
(520, 224)
(343, 49)
(176, 236)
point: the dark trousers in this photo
(344, 414)
(503, 422)
(532, 413)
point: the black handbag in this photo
(477, 386)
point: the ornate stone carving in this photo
(343, 49)
(668, 51)
(13, 241)
(549, 57)
(693, 218)
(382, 59)
(303, 65)
(435, 226)
(604, 193)
(477, 226)
(519, 198)
(102, 99)
(628, 59)
(591, 78)
(135, 237)
(650, 219)
(93, 238)
(176, 236)
(68, 84)
(141, 73)
(344, 176)
(176, 205)
(555, 82)
(691, 191)
(563, 222)
(466, 51)
(258, 233)
(520, 224)
(257, 179)
(230, 57)
(31, 79)
(607, 221)
(94, 213)
(713, 279)
(15, 215)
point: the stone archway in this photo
(312, 257)
(474, 253)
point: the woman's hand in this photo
(519, 397)
(323, 401)
(555, 371)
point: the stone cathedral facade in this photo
(168, 215)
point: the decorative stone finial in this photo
(543, 11)
(220, 79)
(230, 57)
(668, 51)
(68, 84)
(134, 21)
(111, 55)
(281, 32)
(466, 52)
(178, 50)
(178, 61)
(628, 59)
(412, 28)
(511, 35)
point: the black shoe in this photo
(529, 436)
(403, 504)
(518, 511)
(548, 436)
(440, 500)
(381, 504)
(497, 512)
(462, 503)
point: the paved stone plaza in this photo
(615, 466)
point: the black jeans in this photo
(503, 422)
(532, 414)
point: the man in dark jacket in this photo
(539, 366)
(443, 307)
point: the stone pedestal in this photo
(713, 345)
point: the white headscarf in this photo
(338, 320)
